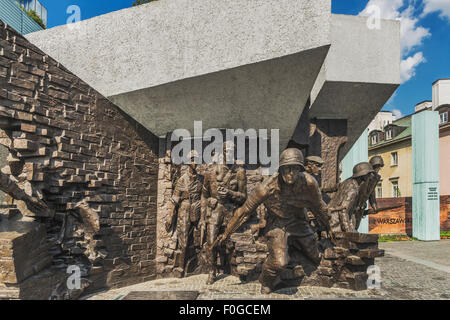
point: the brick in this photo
(22, 83)
(370, 253)
(28, 127)
(354, 260)
(23, 144)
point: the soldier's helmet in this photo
(377, 161)
(292, 156)
(361, 169)
(315, 159)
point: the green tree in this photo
(33, 15)
(139, 2)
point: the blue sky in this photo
(425, 38)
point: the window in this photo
(379, 190)
(394, 159)
(443, 117)
(395, 189)
(389, 134)
(374, 139)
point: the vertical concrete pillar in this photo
(358, 153)
(425, 167)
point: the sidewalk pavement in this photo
(409, 270)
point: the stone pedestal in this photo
(23, 255)
(357, 154)
(343, 265)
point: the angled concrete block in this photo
(360, 74)
(232, 64)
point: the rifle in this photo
(202, 233)
(233, 225)
(371, 211)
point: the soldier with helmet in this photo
(224, 190)
(185, 207)
(367, 190)
(285, 195)
(377, 163)
(347, 203)
(314, 165)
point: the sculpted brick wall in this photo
(249, 251)
(92, 164)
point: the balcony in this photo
(13, 15)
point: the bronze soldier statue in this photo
(185, 206)
(367, 190)
(314, 165)
(286, 194)
(224, 189)
(349, 200)
(377, 163)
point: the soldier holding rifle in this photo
(224, 189)
(185, 206)
(285, 195)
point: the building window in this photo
(389, 134)
(443, 117)
(395, 189)
(374, 139)
(394, 159)
(379, 191)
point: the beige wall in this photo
(403, 171)
(444, 159)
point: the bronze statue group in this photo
(217, 205)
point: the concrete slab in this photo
(166, 41)
(265, 95)
(361, 72)
(234, 64)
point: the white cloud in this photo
(408, 66)
(389, 9)
(411, 35)
(441, 6)
(397, 114)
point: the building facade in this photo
(382, 119)
(18, 19)
(393, 144)
(444, 148)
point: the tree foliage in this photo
(33, 15)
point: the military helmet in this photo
(377, 161)
(291, 156)
(315, 159)
(361, 169)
